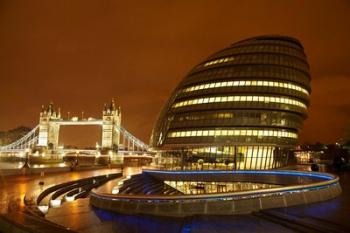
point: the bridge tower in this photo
(48, 130)
(111, 122)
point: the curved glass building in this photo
(241, 108)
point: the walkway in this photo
(14, 189)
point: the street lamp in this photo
(26, 162)
(76, 158)
(110, 153)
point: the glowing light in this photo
(69, 198)
(325, 176)
(223, 99)
(44, 208)
(115, 191)
(233, 132)
(245, 83)
(55, 203)
(121, 182)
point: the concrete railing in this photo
(320, 187)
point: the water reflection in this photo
(140, 223)
(18, 165)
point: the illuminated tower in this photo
(48, 130)
(110, 127)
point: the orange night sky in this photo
(79, 54)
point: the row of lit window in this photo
(233, 132)
(262, 58)
(229, 150)
(273, 47)
(264, 48)
(261, 70)
(270, 42)
(218, 61)
(222, 99)
(245, 84)
(207, 116)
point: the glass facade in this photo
(200, 187)
(241, 108)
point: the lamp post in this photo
(77, 158)
(26, 161)
(110, 153)
(200, 162)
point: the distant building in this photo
(321, 154)
(241, 108)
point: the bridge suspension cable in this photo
(129, 138)
(27, 141)
(31, 139)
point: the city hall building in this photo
(241, 108)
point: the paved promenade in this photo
(13, 189)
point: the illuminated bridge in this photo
(46, 133)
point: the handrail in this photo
(319, 175)
(333, 179)
(57, 187)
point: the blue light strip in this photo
(214, 197)
(324, 176)
(328, 181)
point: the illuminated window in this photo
(233, 132)
(220, 99)
(217, 61)
(246, 83)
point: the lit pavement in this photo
(14, 189)
(79, 216)
(335, 211)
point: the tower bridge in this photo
(46, 134)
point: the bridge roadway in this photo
(78, 122)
